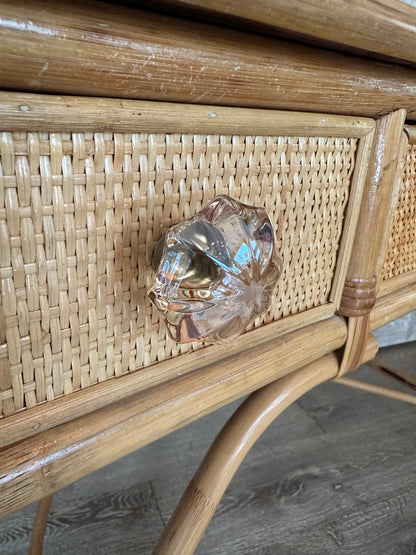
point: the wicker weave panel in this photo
(81, 213)
(401, 252)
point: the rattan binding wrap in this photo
(81, 212)
(401, 253)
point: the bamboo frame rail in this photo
(26, 424)
(365, 24)
(36, 112)
(378, 390)
(394, 373)
(118, 54)
(38, 466)
(396, 282)
(393, 306)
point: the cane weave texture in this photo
(401, 252)
(80, 214)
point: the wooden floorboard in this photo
(336, 473)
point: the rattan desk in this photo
(112, 132)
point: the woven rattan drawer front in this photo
(81, 210)
(400, 262)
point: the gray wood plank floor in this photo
(334, 474)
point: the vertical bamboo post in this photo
(371, 238)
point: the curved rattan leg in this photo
(201, 498)
(39, 526)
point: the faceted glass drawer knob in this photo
(216, 272)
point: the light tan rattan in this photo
(401, 254)
(81, 212)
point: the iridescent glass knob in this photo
(216, 272)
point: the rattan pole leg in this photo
(383, 391)
(39, 526)
(393, 373)
(204, 492)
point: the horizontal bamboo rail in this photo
(359, 26)
(24, 424)
(96, 49)
(393, 306)
(378, 390)
(403, 378)
(36, 112)
(36, 467)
